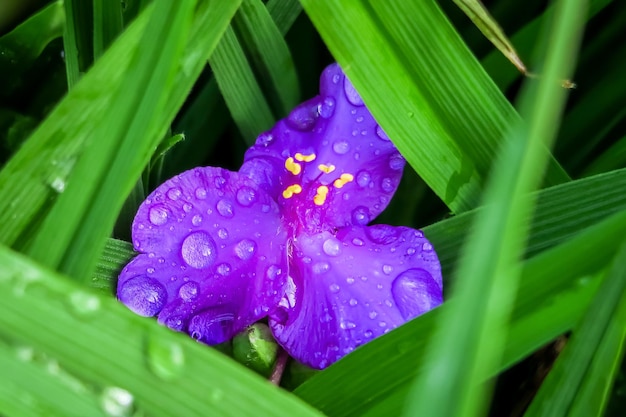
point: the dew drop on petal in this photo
(357, 242)
(273, 271)
(143, 295)
(396, 162)
(347, 325)
(336, 78)
(189, 290)
(198, 250)
(360, 216)
(225, 208)
(427, 246)
(380, 133)
(350, 280)
(211, 328)
(415, 292)
(246, 196)
(222, 233)
(196, 220)
(353, 302)
(223, 269)
(187, 207)
(331, 247)
(264, 139)
(368, 334)
(351, 94)
(410, 251)
(245, 249)
(174, 193)
(334, 288)
(363, 178)
(321, 267)
(200, 193)
(326, 108)
(341, 147)
(387, 185)
(387, 269)
(158, 214)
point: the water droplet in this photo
(381, 133)
(336, 78)
(363, 178)
(143, 295)
(350, 280)
(351, 94)
(359, 119)
(219, 181)
(200, 193)
(415, 292)
(223, 269)
(372, 315)
(222, 233)
(307, 259)
(246, 196)
(326, 108)
(174, 323)
(387, 185)
(341, 147)
(116, 402)
(368, 334)
(273, 271)
(198, 250)
(196, 220)
(347, 325)
(410, 251)
(303, 117)
(382, 324)
(265, 208)
(245, 249)
(58, 184)
(166, 359)
(158, 214)
(353, 302)
(427, 246)
(189, 291)
(325, 318)
(360, 216)
(84, 304)
(225, 208)
(382, 234)
(387, 269)
(174, 193)
(264, 139)
(211, 328)
(187, 207)
(396, 162)
(331, 247)
(334, 288)
(321, 267)
(357, 242)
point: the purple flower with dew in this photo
(286, 238)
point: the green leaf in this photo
(99, 341)
(77, 39)
(425, 88)
(107, 24)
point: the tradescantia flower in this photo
(286, 238)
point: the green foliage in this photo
(145, 90)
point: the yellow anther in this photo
(293, 167)
(326, 168)
(291, 190)
(320, 197)
(305, 158)
(343, 180)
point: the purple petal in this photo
(346, 289)
(215, 258)
(353, 158)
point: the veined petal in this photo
(344, 290)
(215, 258)
(333, 149)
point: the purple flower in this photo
(286, 237)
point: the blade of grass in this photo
(378, 375)
(471, 335)
(107, 24)
(85, 212)
(564, 380)
(284, 13)
(77, 39)
(166, 373)
(425, 89)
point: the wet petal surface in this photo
(328, 163)
(214, 256)
(346, 289)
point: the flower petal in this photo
(214, 258)
(329, 141)
(346, 289)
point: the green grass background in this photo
(519, 183)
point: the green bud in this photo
(256, 348)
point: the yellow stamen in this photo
(291, 190)
(305, 158)
(293, 167)
(343, 180)
(326, 168)
(320, 197)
